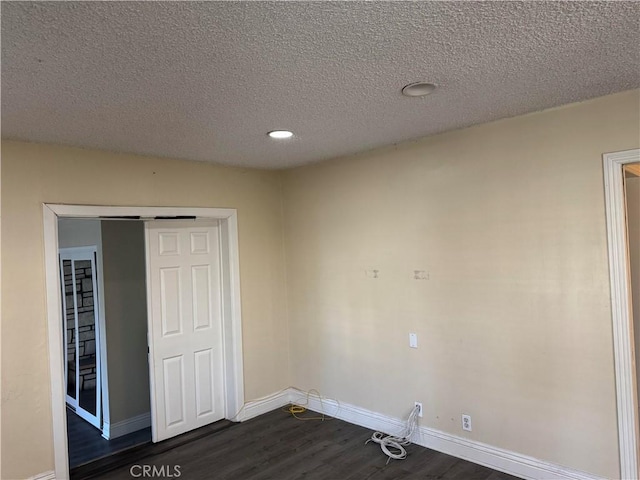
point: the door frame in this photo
(231, 311)
(623, 342)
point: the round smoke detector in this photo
(418, 89)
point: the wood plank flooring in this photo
(279, 447)
(86, 443)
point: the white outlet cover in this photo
(466, 423)
(413, 340)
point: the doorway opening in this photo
(232, 395)
(632, 203)
(104, 308)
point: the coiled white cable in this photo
(393, 445)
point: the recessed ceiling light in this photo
(280, 134)
(418, 89)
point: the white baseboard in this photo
(51, 475)
(262, 405)
(497, 458)
(130, 425)
(493, 457)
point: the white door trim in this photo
(621, 310)
(232, 325)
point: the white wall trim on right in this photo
(621, 310)
(124, 427)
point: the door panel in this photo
(169, 244)
(174, 390)
(185, 325)
(200, 275)
(199, 243)
(170, 297)
(204, 365)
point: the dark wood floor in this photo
(280, 447)
(86, 443)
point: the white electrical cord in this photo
(393, 445)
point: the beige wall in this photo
(507, 218)
(514, 323)
(125, 300)
(33, 174)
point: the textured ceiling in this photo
(206, 80)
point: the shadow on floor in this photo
(86, 443)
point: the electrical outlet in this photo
(419, 405)
(466, 422)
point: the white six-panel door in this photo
(185, 326)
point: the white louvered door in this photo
(185, 325)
